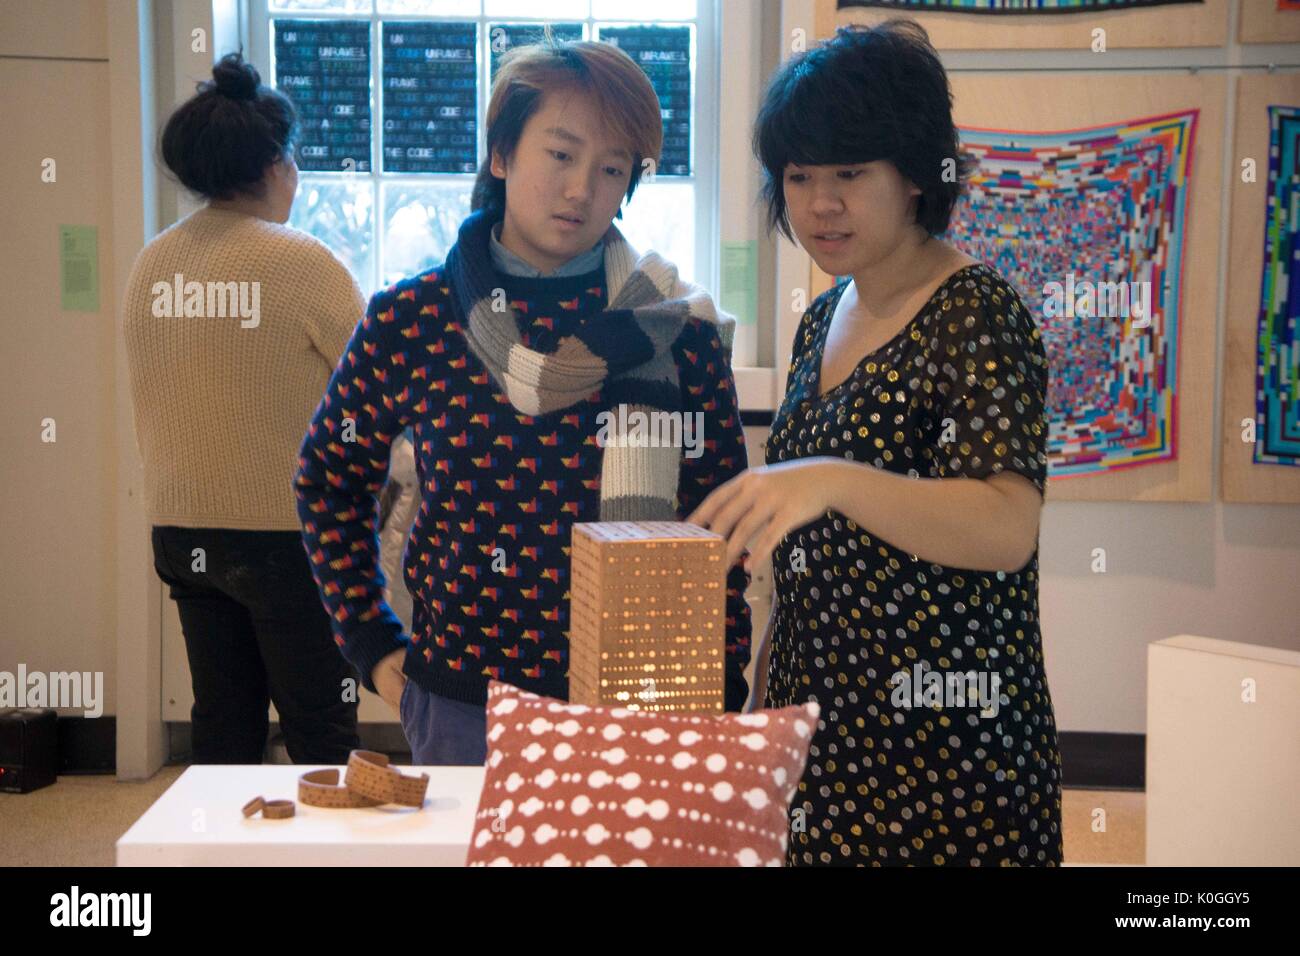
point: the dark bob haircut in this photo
(220, 141)
(866, 94)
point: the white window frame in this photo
(704, 139)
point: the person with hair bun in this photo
(233, 324)
(904, 480)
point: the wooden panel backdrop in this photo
(1242, 479)
(1044, 102)
(1262, 22)
(1188, 25)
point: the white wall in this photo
(75, 585)
(1218, 570)
(57, 523)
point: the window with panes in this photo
(392, 95)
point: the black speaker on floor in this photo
(29, 750)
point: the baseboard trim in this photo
(1102, 761)
(1089, 760)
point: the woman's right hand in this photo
(389, 679)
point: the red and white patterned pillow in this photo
(569, 785)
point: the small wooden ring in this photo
(277, 809)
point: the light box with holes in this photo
(647, 616)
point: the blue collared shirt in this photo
(510, 264)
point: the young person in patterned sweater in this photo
(501, 361)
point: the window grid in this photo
(381, 182)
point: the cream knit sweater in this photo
(222, 401)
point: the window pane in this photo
(445, 8)
(430, 92)
(340, 213)
(324, 67)
(420, 225)
(636, 9)
(502, 37)
(661, 216)
(665, 54)
(320, 6)
(554, 9)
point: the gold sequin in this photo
(925, 786)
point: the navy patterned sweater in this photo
(487, 562)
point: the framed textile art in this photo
(1277, 358)
(1043, 24)
(1106, 212)
(1098, 216)
(1261, 353)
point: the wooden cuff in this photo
(319, 788)
(369, 775)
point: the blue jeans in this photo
(442, 732)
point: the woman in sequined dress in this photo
(904, 480)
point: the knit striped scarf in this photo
(626, 350)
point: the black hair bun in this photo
(220, 141)
(235, 78)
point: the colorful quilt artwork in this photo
(1011, 6)
(1277, 361)
(1090, 226)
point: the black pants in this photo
(256, 631)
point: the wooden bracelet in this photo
(319, 788)
(270, 809)
(369, 775)
(277, 809)
(369, 782)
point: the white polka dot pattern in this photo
(569, 785)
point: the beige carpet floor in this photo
(77, 822)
